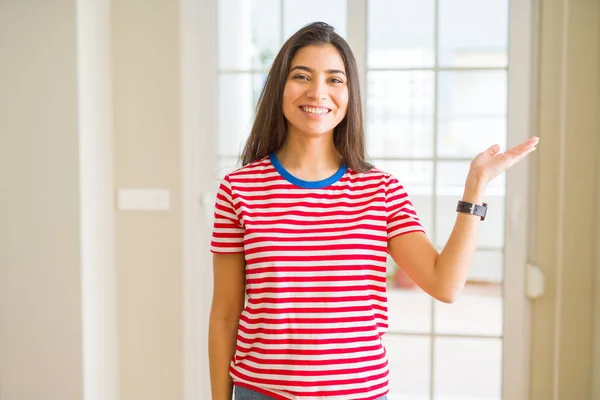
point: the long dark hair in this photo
(269, 130)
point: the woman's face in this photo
(315, 97)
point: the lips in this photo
(315, 110)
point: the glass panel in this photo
(235, 112)
(400, 113)
(225, 165)
(467, 369)
(410, 360)
(488, 267)
(471, 112)
(259, 83)
(400, 33)
(409, 307)
(417, 179)
(255, 40)
(478, 309)
(451, 178)
(299, 13)
(473, 33)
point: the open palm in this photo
(491, 163)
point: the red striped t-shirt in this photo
(315, 278)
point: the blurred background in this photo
(119, 118)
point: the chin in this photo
(316, 131)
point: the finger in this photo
(517, 157)
(524, 147)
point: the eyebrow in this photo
(329, 71)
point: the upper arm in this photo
(227, 246)
(416, 255)
(228, 288)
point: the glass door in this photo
(435, 74)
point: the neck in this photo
(310, 158)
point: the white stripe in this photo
(337, 304)
(317, 368)
(301, 234)
(307, 245)
(349, 225)
(349, 314)
(311, 357)
(320, 284)
(313, 253)
(284, 198)
(315, 217)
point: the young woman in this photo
(303, 230)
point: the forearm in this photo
(453, 263)
(221, 348)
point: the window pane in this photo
(488, 267)
(450, 185)
(255, 38)
(467, 369)
(473, 33)
(409, 360)
(400, 113)
(478, 309)
(409, 307)
(299, 13)
(259, 83)
(417, 179)
(226, 165)
(400, 33)
(471, 112)
(235, 112)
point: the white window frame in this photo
(198, 122)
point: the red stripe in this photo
(289, 279)
(315, 289)
(334, 382)
(331, 238)
(268, 247)
(293, 341)
(272, 300)
(298, 373)
(314, 321)
(309, 257)
(268, 361)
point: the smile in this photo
(315, 110)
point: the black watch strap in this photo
(472, 208)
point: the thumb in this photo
(493, 150)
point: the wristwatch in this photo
(472, 209)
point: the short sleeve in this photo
(228, 232)
(401, 216)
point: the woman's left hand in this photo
(489, 164)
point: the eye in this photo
(300, 77)
(336, 80)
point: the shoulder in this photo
(373, 175)
(255, 170)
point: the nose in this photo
(317, 91)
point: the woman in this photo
(304, 228)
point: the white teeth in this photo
(314, 110)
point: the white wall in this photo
(40, 292)
(147, 154)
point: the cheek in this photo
(342, 100)
(290, 94)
